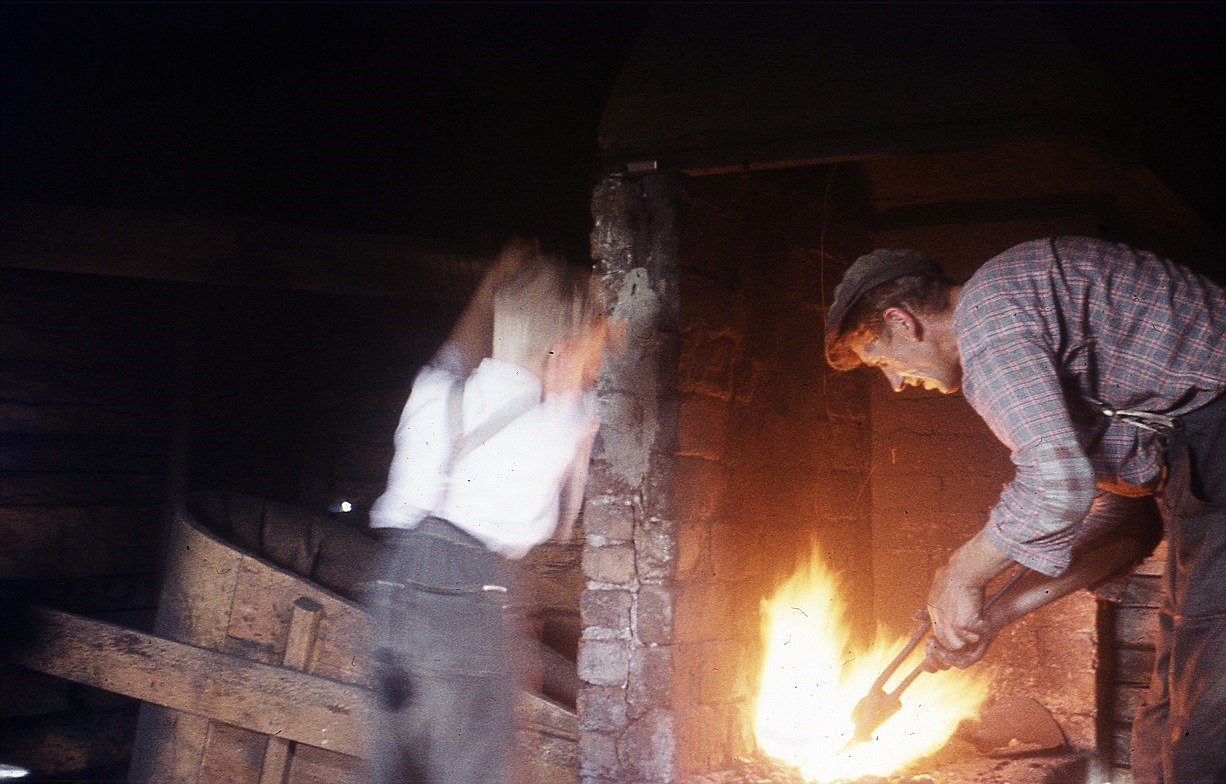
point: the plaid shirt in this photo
(1050, 325)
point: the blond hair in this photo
(544, 303)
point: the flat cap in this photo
(873, 269)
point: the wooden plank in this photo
(1144, 590)
(230, 755)
(1121, 735)
(270, 700)
(169, 746)
(262, 609)
(303, 629)
(266, 699)
(316, 766)
(1128, 700)
(1134, 665)
(1136, 627)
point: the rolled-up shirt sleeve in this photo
(1014, 386)
(1035, 521)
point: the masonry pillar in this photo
(627, 722)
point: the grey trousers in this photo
(443, 682)
(1179, 733)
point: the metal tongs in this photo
(879, 705)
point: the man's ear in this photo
(903, 322)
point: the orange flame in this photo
(812, 679)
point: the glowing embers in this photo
(812, 679)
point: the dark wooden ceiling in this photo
(466, 122)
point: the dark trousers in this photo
(1179, 734)
(444, 689)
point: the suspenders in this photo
(462, 444)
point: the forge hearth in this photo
(956, 764)
(730, 449)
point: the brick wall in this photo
(687, 534)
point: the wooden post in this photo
(303, 629)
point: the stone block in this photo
(837, 447)
(918, 412)
(648, 749)
(602, 709)
(704, 740)
(651, 678)
(1016, 649)
(611, 564)
(702, 612)
(1081, 729)
(702, 429)
(1144, 590)
(711, 673)
(655, 542)
(925, 528)
(941, 455)
(608, 519)
(699, 488)
(842, 495)
(693, 551)
(767, 438)
(655, 492)
(900, 586)
(972, 494)
(607, 608)
(709, 303)
(707, 363)
(603, 478)
(896, 494)
(1134, 665)
(736, 552)
(1137, 625)
(654, 616)
(597, 756)
(846, 395)
(604, 662)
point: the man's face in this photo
(909, 361)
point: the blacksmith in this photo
(1103, 369)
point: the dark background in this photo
(458, 122)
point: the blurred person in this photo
(491, 458)
(1103, 369)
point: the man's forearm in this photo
(977, 562)
(1036, 590)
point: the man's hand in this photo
(941, 658)
(955, 601)
(955, 607)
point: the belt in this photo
(437, 528)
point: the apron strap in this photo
(1154, 423)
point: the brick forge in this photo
(727, 450)
(730, 449)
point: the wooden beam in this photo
(267, 699)
(303, 630)
(272, 700)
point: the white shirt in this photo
(506, 491)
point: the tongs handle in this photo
(922, 630)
